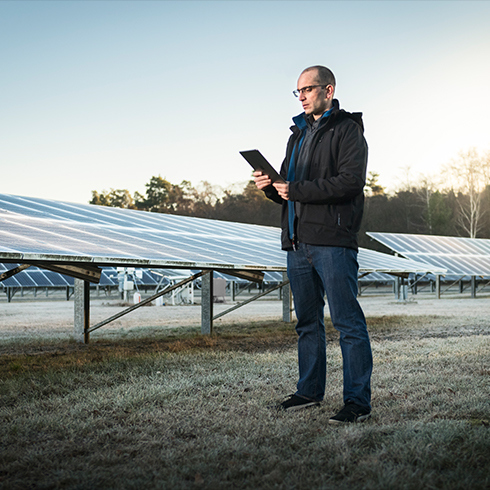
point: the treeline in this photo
(457, 203)
(245, 205)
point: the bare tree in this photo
(469, 175)
(425, 192)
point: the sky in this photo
(97, 95)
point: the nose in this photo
(302, 96)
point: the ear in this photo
(330, 91)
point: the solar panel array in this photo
(34, 230)
(458, 255)
(41, 278)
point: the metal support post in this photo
(82, 310)
(473, 286)
(207, 304)
(438, 286)
(396, 286)
(286, 299)
(402, 296)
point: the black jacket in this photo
(331, 198)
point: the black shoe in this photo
(295, 402)
(351, 413)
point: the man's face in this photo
(319, 99)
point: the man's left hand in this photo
(282, 189)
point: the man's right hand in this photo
(261, 181)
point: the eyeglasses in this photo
(306, 90)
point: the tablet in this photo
(258, 162)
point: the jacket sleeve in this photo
(349, 176)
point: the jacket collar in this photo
(300, 119)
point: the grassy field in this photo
(176, 410)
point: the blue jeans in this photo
(313, 271)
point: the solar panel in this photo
(373, 261)
(376, 277)
(40, 278)
(17, 282)
(460, 256)
(57, 280)
(37, 229)
(23, 280)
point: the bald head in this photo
(323, 76)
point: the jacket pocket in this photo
(331, 216)
(344, 215)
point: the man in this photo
(322, 204)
